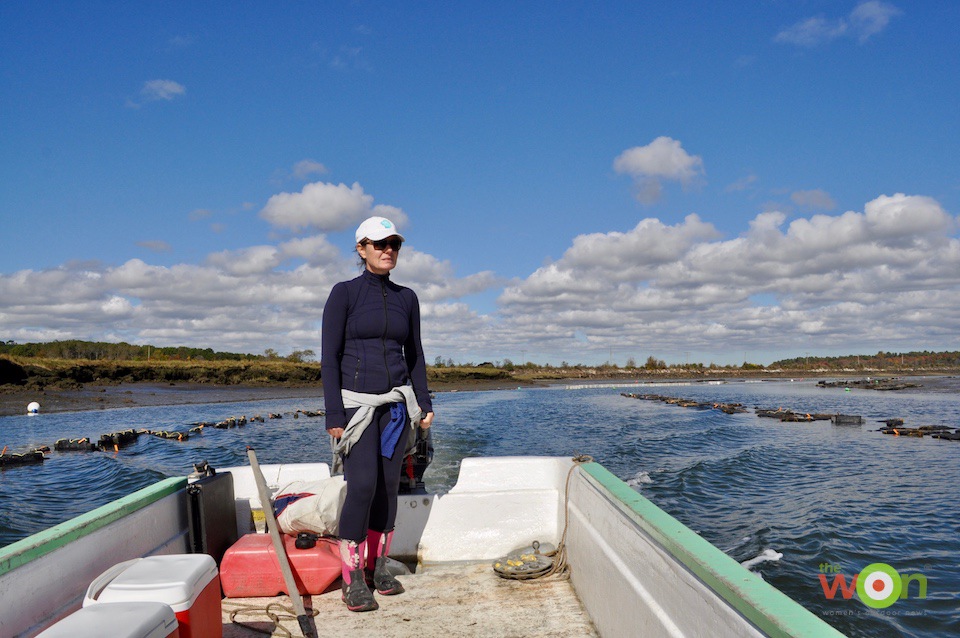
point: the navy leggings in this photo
(372, 481)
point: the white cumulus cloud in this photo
(662, 159)
(247, 261)
(859, 279)
(326, 207)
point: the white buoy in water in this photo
(33, 407)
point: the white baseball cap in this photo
(377, 228)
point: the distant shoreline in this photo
(94, 396)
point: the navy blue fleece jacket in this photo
(370, 342)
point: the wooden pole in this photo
(278, 547)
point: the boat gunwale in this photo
(53, 538)
(770, 610)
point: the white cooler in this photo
(188, 583)
(117, 620)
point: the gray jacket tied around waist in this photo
(366, 404)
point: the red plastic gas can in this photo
(250, 567)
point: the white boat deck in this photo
(443, 600)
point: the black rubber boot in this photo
(384, 581)
(357, 595)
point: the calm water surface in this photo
(819, 494)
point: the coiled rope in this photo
(530, 564)
(266, 611)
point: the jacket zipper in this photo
(383, 336)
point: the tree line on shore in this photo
(103, 351)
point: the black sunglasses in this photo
(381, 244)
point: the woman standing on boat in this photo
(375, 394)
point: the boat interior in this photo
(628, 566)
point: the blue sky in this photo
(576, 181)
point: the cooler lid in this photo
(138, 619)
(175, 579)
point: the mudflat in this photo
(14, 399)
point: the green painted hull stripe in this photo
(772, 611)
(53, 538)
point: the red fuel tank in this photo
(250, 567)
